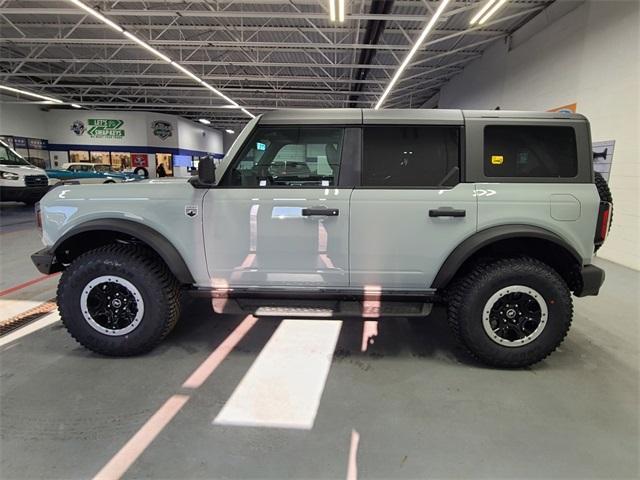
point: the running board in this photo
(321, 308)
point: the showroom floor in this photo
(232, 397)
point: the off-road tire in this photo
(605, 196)
(158, 288)
(469, 294)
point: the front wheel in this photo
(510, 313)
(118, 300)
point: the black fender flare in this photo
(488, 236)
(156, 241)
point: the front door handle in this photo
(324, 211)
(447, 212)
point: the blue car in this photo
(86, 173)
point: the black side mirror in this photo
(207, 171)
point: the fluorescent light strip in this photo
(146, 46)
(158, 54)
(412, 52)
(97, 15)
(34, 95)
(332, 10)
(492, 11)
(482, 11)
(341, 11)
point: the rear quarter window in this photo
(530, 151)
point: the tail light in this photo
(38, 217)
(604, 220)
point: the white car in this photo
(19, 180)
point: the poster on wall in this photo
(107, 128)
(603, 157)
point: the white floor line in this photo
(283, 387)
(30, 328)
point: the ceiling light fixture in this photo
(412, 52)
(158, 54)
(482, 11)
(336, 5)
(75, 105)
(30, 94)
(204, 121)
(492, 11)
(229, 131)
(146, 46)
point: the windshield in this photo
(8, 156)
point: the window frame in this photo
(475, 149)
(347, 140)
(461, 156)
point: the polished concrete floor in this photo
(409, 406)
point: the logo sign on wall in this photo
(139, 160)
(105, 128)
(162, 129)
(77, 127)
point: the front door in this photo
(411, 210)
(277, 217)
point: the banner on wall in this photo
(571, 108)
(603, 157)
(139, 160)
(107, 128)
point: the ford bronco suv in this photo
(366, 213)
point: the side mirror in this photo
(207, 171)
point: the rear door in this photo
(278, 217)
(411, 209)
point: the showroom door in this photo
(411, 210)
(277, 216)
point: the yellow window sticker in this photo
(497, 159)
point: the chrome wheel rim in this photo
(515, 316)
(112, 305)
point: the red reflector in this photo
(604, 227)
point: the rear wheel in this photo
(118, 300)
(510, 313)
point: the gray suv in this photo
(367, 213)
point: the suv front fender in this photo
(156, 241)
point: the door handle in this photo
(324, 211)
(447, 212)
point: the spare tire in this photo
(143, 172)
(605, 196)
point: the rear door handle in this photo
(324, 211)
(447, 212)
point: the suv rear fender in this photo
(513, 240)
(95, 233)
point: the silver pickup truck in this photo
(352, 212)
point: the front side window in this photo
(288, 157)
(410, 156)
(530, 151)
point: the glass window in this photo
(100, 157)
(411, 156)
(9, 157)
(164, 165)
(530, 151)
(291, 157)
(120, 160)
(78, 156)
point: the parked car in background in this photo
(19, 180)
(83, 172)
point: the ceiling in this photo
(262, 54)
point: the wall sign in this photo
(162, 129)
(139, 160)
(105, 128)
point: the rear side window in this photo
(530, 151)
(289, 157)
(411, 156)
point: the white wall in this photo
(22, 120)
(589, 57)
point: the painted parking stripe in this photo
(30, 328)
(26, 284)
(130, 452)
(283, 387)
